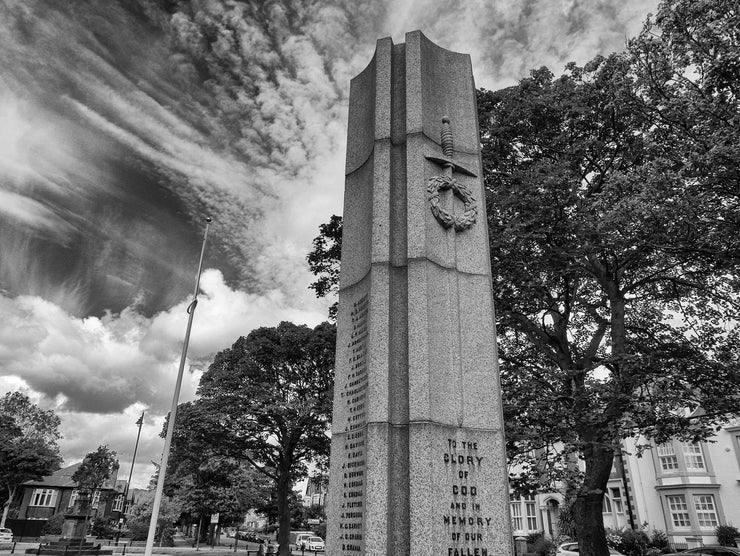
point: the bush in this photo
(539, 544)
(103, 529)
(659, 541)
(534, 537)
(53, 525)
(638, 543)
(726, 535)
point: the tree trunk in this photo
(6, 506)
(588, 505)
(283, 506)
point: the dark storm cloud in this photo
(162, 117)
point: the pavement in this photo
(185, 549)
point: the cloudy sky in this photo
(124, 123)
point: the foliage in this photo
(104, 528)
(96, 468)
(658, 540)
(28, 445)
(638, 542)
(726, 535)
(323, 261)
(53, 525)
(267, 400)
(614, 267)
(271, 510)
(202, 480)
(538, 544)
(141, 515)
(629, 542)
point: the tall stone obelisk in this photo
(418, 463)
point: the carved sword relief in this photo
(446, 181)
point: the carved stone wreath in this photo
(462, 192)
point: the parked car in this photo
(315, 543)
(6, 535)
(710, 550)
(250, 537)
(302, 539)
(571, 549)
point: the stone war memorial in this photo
(417, 459)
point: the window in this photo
(517, 522)
(606, 507)
(531, 510)
(518, 516)
(44, 497)
(705, 511)
(679, 511)
(667, 457)
(95, 500)
(693, 456)
(117, 503)
(73, 498)
(616, 496)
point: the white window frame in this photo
(693, 456)
(515, 507)
(706, 511)
(43, 497)
(95, 500)
(530, 511)
(678, 510)
(667, 458)
(73, 498)
(117, 503)
(615, 494)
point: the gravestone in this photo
(417, 462)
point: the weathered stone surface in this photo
(418, 463)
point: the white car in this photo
(315, 543)
(571, 549)
(6, 535)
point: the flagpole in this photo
(173, 410)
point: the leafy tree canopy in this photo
(28, 445)
(204, 481)
(323, 260)
(613, 231)
(268, 400)
(97, 467)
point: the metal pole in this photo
(173, 410)
(130, 475)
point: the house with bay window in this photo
(683, 488)
(57, 493)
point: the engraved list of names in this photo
(353, 395)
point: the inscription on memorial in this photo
(353, 392)
(468, 521)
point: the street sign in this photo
(214, 518)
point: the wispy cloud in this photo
(124, 123)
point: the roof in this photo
(61, 478)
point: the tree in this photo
(95, 470)
(28, 445)
(203, 481)
(687, 71)
(268, 399)
(141, 515)
(615, 317)
(323, 261)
